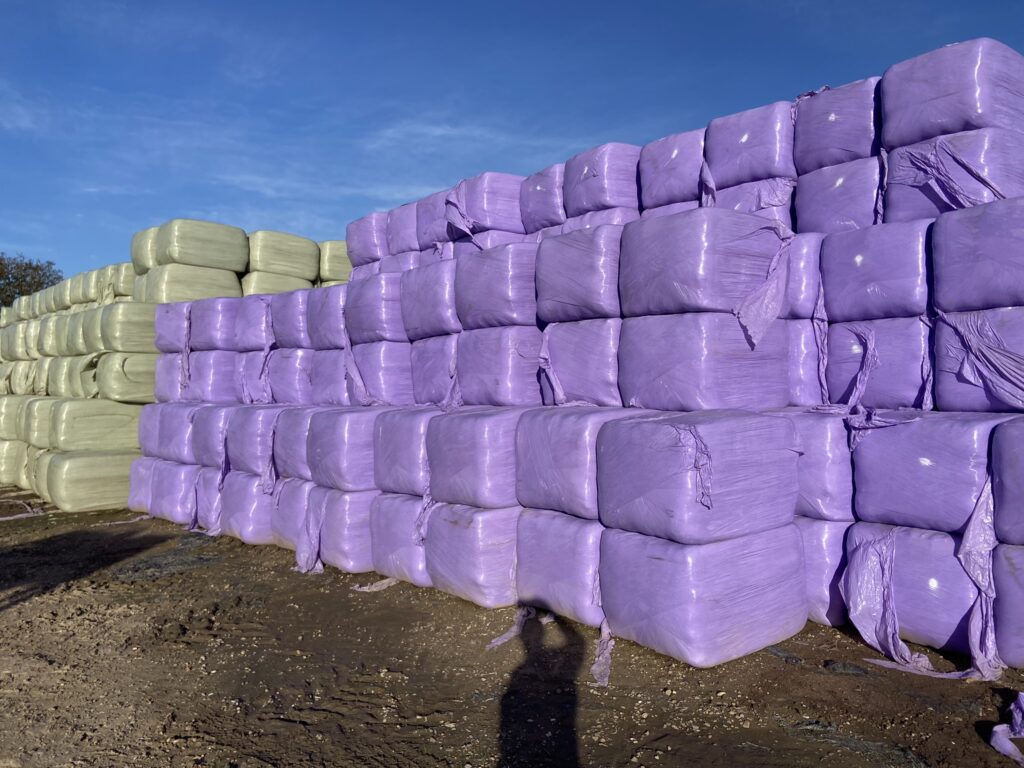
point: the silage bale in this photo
(202, 244)
(284, 254)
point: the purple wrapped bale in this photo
(1008, 572)
(328, 377)
(250, 441)
(484, 202)
(669, 210)
(373, 309)
(471, 553)
(289, 372)
(484, 241)
(977, 258)
(1008, 481)
(400, 262)
(290, 456)
(707, 260)
(174, 432)
(541, 203)
(699, 477)
(613, 216)
(428, 301)
(211, 377)
(824, 465)
(751, 146)
(140, 484)
(837, 125)
(171, 326)
(212, 323)
(824, 562)
(173, 492)
(149, 429)
(806, 342)
(254, 326)
(670, 169)
(496, 287)
(953, 172)
(168, 386)
(543, 234)
(433, 364)
(401, 229)
(578, 275)
(246, 509)
(400, 450)
(500, 366)
(395, 541)
(601, 178)
(367, 239)
(557, 559)
(804, 279)
(385, 369)
(888, 358)
(325, 313)
(840, 197)
(770, 199)
(345, 540)
(974, 84)
(339, 448)
(251, 383)
(210, 434)
(978, 360)
(209, 500)
(579, 363)
(699, 361)
(431, 224)
(704, 604)
(472, 456)
(289, 313)
(360, 273)
(288, 519)
(876, 272)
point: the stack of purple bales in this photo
(692, 393)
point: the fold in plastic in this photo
(837, 125)
(487, 201)
(579, 363)
(767, 198)
(431, 224)
(979, 360)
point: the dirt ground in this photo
(134, 643)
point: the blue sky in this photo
(116, 115)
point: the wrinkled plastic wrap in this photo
(343, 522)
(1008, 571)
(500, 366)
(496, 287)
(400, 450)
(289, 450)
(171, 326)
(88, 481)
(246, 509)
(385, 374)
(401, 229)
(168, 385)
(339, 448)
(428, 301)
(433, 364)
(202, 244)
(953, 172)
(144, 250)
(704, 604)
(472, 456)
(1008, 481)
(577, 275)
(557, 560)
(431, 223)
(288, 312)
(580, 362)
(250, 442)
(487, 201)
(125, 327)
(173, 492)
(251, 381)
(541, 200)
(373, 309)
(212, 323)
(840, 197)
(288, 520)
(209, 499)
(400, 262)
(140, 484)
(328, 377)
(750, 146)
(257, 283)
(165, 431)
(824, 464)
(254, 329)
(806, 372)
(615, 216)
(876, 272)
(471, 553)
(701, 360)
(367, 239)
(979, 360)
(182, 282)
(770, 199)
(210, 424)
(880, 363)
(325, 311)
(90, 425)
(211, 377)
(601, 178)
(670, 169)
(284, 254)
(396, 542)
(698, 477)
(824, 561)
(334, 261)
(837, 125)
(483, 241)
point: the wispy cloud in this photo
(17, 113)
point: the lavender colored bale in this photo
(209, 500)
(289, 373)
(951, 172)
(171, 326)
(803, 281)
(433, 363)
(428, 301)
(431, 224)
(698, 477)
(289, 313)
(925, 473)
(707, 260)
(484, 241)
(770, 199)
(542, 234)
(578, 275)
(359, 274)
(168, 385)
(251, 384)
(395, 544)
(367, 239)
(704, 604)
(557, 560)
(471, 553)
(288, 518)
(250, 441)
(496, 287)
(614, 216)
(837, 125)
(500, 366)
(472, 456)
(174, 430)
(339, 448)
(400, 262)
(385, 368)
(750, 146)
(328, 377)
(401, 229)
(345, 539)
(839, 198)
(254, 326)
(325, 317)
(824, 563)
(580, 362)
(212, 323)
(902, 378)
(1008, 481)
(601, 178)
(210, 434)
(149, 429)
(978, 368)
(974, 84)
(290, 456)
(824, 465)
(670, 169)
(211, 377)
(1008, 572)
(246, 509)
(806, 342)
(173, 492)
(373, 309)
(400, 450)
(487, 201)
(701, 360)
(140, 484)
(669, 210)
(540, 198)
(876, 272)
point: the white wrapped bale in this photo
(268, 282)
(12, 461)
(169, 283)
(284, 254)
(202, 244)
(128, 327)
(88, 481)
(335, 265)
(127, 377)
(89, 425)
(35, 421)
(144, 250)
(22, 380)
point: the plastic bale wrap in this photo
(373, 309)
(325, 313)
(433, 363)
(880, 363)
(40, 479)
(173, 492)
(487, 201)
(428, 301)
(212, 323)
(484, 241)
(288, 520)
(90, 425)
(580, 363)
(173, 439)
(1008, 572)
(396, 545)
(127, 327)
(40, 375)
(577, 275)
(345, 519)
(122, 280)
(140, 484)
(284, 254)
(139, 288)
(250, 442)
(824, 562)
(400, 450)
(171, 326)
(180, 282)
(979, 360)
(611, 216)
(254, 329)
(541, 200)
(670, 169)
(82, 373)
(496, 287)
(704, 604)
(401, 229)
(431, 223)
(701, 360)
(12, 461)
(202, 244)
(363, 272)
(76, 335)
(290, 457)
(210, 424)
(824, 465)
(335, 264)
(144, 250)
(602, 177)
(384, 374)
(22, 380)
(837, 125)
(750, 146)
(259, 283)
(92, 332)
(36, 421)
(211, 377)
(767, 199)
(339, 448)
(1008, 481)
(472, 456)
(27, 468)
(89, 481)
(542, 234)
(500, 366)
(840, 197)
(974, 84)
(328, 377)
(399, 262)
(471, 553)
(367, 239)
(209, 499)
(246, 509)
(951, 172)
(251, 381)
(57, 377)
(48, 336)
(289, 315)
(806, 386)
(557, 559)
